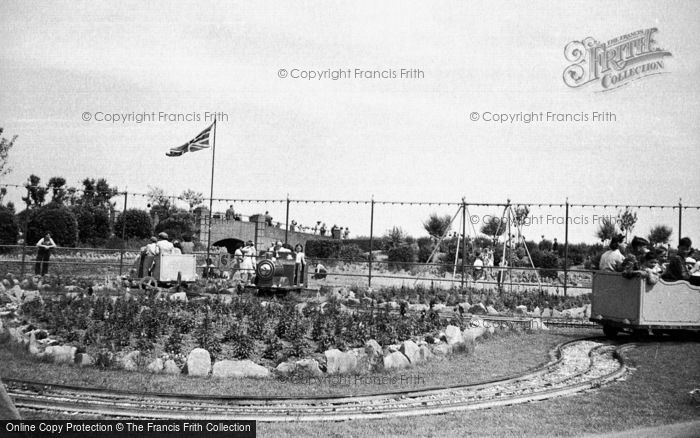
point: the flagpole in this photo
(211, 200)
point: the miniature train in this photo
(633, 305)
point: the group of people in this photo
(245, 259)
(641, 259)
(161, 245)
(321, 229)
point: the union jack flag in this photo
(198, 143)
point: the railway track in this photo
(575, 366)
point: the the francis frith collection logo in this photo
(614, 63)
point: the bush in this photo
(56, 219)
(399, 257)
(177, 224)
(9, 229)
(138, 224)
(323, 249)
(93, 223)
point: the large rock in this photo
(520, 310)
(179, 296)
(418, 307)
(410, 350)
(61, 353)
(34, 349)
(478, 309)
(129, 362)
(309, 367)
(198, 362)
(424, 354)
(453, 335)
(396, 361)
(374, 355)
(547, 312)
(84, 360)
(338, 362)
(284, 367)
(441, 349)
(156, 366)
(239, 369)
(471, 334)
(170, 367)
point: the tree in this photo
(5, 146)
(98, 194)
(627, 220)
(56, 219)
(93, 223)
(138, 224)
(36, 194)
(437, 226)
(493, 227)
(394, 238)
(607, 229)
(158, 198)
(660, 234)
(58, 190)
(9, 229)
(521, 215)
(192, 198)
(177, 224)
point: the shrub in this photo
(138, 224)
(93, 223)
(323, 249)
(9, 229)
(400, 256)
(56, 219)
(177, 224)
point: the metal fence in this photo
(372, 270)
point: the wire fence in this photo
(371, 269)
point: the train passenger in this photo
(177, 248)
(652, 267)
(632, 266)
(187, 247)
(612, 259)
(695, 273)
(299, 264)
(163, 245)
(148, 257)
(677, 269)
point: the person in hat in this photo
(612, 259)
(677, 269)
(164, 245)
(634, 261)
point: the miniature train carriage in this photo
(279, 274)
(167, 269)
(634, 305)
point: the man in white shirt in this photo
(612, 259)
(478, 266)
(163, 245)
(44, 247)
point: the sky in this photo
(394, 139)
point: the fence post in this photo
(26, 228)
(121, 253)
(371, 241)
(566, 247)
(464, 240)
(286, 221)
(680, 220)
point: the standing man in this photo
(44, 247)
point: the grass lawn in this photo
(656, 393)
